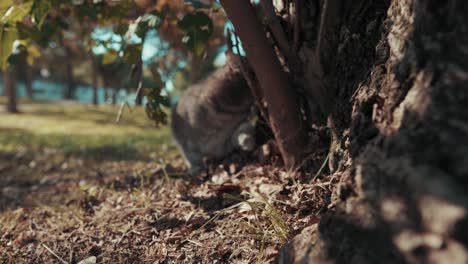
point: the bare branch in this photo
(284, 113)
(250, 78)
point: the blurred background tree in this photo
(108, 51)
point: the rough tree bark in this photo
(285, 116)
(400, 86)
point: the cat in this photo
(210, 119)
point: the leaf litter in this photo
(241, 211)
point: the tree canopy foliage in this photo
(192, 29)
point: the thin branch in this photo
(321, 167)
(279, 35)
(54, 254)
(249, 77)
(121, 109)
(321, 29)
(275, 26)
(285, 116)
(139, 70)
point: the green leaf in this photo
(132, 53)
(60, 22)
(148, 22)
(155, 104)
(196, 4)
(118, 9)
(199, 47)
(156, 99)
(153, 19)
(25, 32)
(156, 77)
(32, 53)
(42, 35)
(46, 33)
(8, 35)
(198, 28)
(40, 10)
(198, 21)
(4, 6)
(17, 12)
(14, 59)
(110, 56)
(121, 29)
(87, 10)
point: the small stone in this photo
(232, 168)
(90, 260)
(265, 153)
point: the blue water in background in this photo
(54, 91)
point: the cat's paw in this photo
(195, 170)
(246, 141)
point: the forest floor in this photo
(75, 187)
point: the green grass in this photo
(83, 130)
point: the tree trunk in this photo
(10, 89)
(139, 81)
(94, 79)
(400, 106)
(3, 75)
(24, 72)
(29, 81)
(283, 106)
(106, 94)
(110, 94)
(114, 96)
(139, 99)
(70, 81)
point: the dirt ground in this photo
(57, 208)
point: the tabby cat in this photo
(211, 117)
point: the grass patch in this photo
(84, 130)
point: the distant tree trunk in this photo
(70, 81)
(29, 81)
(10, 89)
(139, 99)
(3, 91)
(106, 94)
(114, 96)
(94, 79)
(283, 106)
(109, 92)
(24, 73)
(139, 80)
